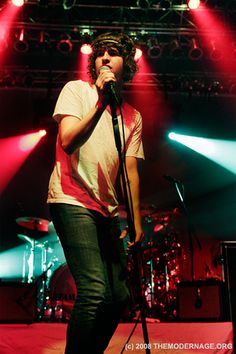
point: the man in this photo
(82, 195)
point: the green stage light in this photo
(221, 152)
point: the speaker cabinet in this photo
(18, 302)
(201, 301)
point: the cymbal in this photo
(162, 216)
(33, 223)
(144, 209)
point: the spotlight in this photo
(68, 4)
(172, 135)
(29, 141)
(154, 50)
(18, 3)
(86, 49)
(21, 45)
(143, 4)
(42, 132)
(195, 52)
(86, 39)
(216, 150)
(175, 48)
(193, 4)
(64, 45)
(138, 54)
(44, 40)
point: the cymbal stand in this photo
(31, 262)
(136, 252)
(180, 191)
(43, 290)
(24, 264)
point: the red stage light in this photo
(42, 132)
(29, 141)
(193, 4)
(138, 54)
(86, 49)
(18, 3)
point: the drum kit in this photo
(41, 259)
(161, 253)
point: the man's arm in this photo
(133, 180)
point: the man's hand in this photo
(139, 235)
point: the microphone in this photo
(111, 86)
(171, 179)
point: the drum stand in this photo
(30, 261)
(179, 186)
(41, 283)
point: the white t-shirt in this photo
(87, 176)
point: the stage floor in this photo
(177, 338)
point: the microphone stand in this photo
(137, 261)
(191, 232)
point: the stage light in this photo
(86, 39)
(219, 151)
(194, 4)
(68, 4)
(44, 40)
(176, 49)
(143, 4)
(29, 141)
(64, 45)
(18, 3)
(195, 52)
(172, 135)
(21, 45)
(42, 132)
(86, 49)
(14, 151)
(154, 50)
(201, 145)
(138, 54)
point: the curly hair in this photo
(126, 47)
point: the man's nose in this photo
(106, 56)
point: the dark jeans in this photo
(97, 261)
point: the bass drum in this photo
(62, 290)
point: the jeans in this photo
(97, 261)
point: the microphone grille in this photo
(104, 68)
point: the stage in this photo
(177, 338)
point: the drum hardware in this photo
(29, 257)
(42, 297)
(33, 223)
(30, 260)
(162, 273)
(60, 296)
